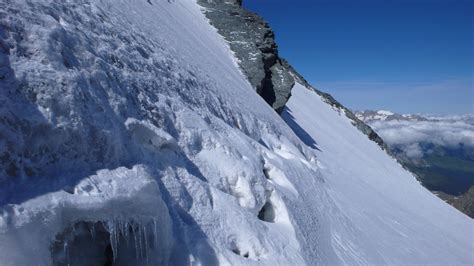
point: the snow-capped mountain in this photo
(130, 136)
(383, 115)
(408, 129)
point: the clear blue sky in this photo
(408, 56)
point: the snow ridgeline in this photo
(130, 136)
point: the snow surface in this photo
(385, 215)
(133, 130)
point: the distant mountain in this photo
(384, 115)
(439, 150)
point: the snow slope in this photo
(128, 134)
(109, 105)
(386, 215)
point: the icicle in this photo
(93, 232)
(146, 243)
(117, 237)
(140, 240)
(74, 230)
(119, 227)
(126, 229)
(155, 234)
(136, 241)
(66, 252)
(111, 227)
(144, 234)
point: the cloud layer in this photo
(443, 131)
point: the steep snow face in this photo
(129, 135)
(385, 215)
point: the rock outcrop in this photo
(463, 202)
(253, 42)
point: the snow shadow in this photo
(19, 118)
(189, 238)
(298, 130)
(18, 191)
(38, 158)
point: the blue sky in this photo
(408, 56)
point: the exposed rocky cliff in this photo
(253, 42)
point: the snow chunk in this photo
(112, 201)
(149, 136)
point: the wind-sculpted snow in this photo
(119, 115)
(129, 136)
(387, 216)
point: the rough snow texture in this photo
(127, 126)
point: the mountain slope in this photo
(122, 118)
(387, 217)
(130, 136)
(439, 150)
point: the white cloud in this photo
(443, 131)
(413, 151)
